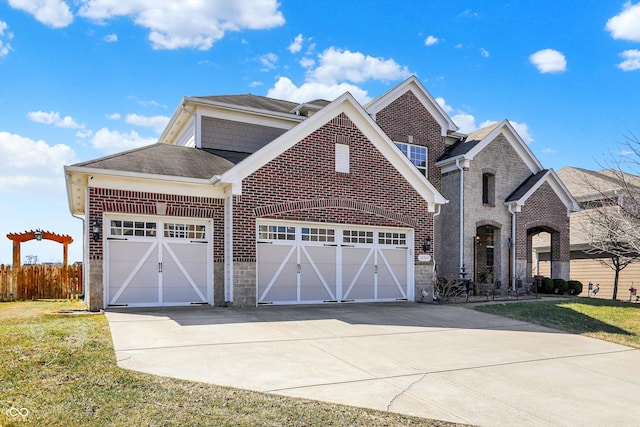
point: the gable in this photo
(413, 85)
(343, 108)
(547, 178)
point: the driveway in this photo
(442, 362)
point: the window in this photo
(417, 154)
(357, 236)
(385, 238)
(132, 228)
(318, 234)
(276, 232)
(490, 248)
(184, 231)
(488, 189)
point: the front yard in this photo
(60, 369)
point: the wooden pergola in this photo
(39, 235)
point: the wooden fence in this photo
(40, 282)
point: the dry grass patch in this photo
(62, 369)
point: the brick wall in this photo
(306, 173)
(407, 116)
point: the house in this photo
(592, 189)
(248, 200)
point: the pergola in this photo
(38, 235)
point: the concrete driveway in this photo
(442, 362)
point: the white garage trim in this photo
(310, 263)
(157, 260)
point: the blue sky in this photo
(85, 78)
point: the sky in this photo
(81, 79)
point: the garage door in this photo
(157, 262)
(313, 263)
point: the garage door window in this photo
(132, 228)
(276, 232)
(318, 235)
(184, 231)
(397, 239)
(357, 236)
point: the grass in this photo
(608, 320)
(62, 369)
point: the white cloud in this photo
(158, 123)
(548, 151)
(549, 61)
(631, 60)
(338, 72)
(626, 25)
(53, 13)
(53, 118)
(338, 65)
(307, 63)
(523, 131)
(84, 133)
(25, 162)
(466, 122)
(447, 108)
(484, 52)
(111, 38)
(296, 44)
(430, 41)
(286, 89)
(114, 116)
(112, 141)
(4, 46)
(269, 61)
(192, 24)
(255, 83)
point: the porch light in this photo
(426, 245)
(95, 230)
(38, 235)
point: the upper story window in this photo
(417, 154)
(488, 189)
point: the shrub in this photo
(560, 286)
(575, 287)
(547, 286)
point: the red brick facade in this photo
(303, 180)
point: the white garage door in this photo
(312, 263)
(156, 262)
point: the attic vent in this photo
(342, 158)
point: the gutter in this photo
(461, 216)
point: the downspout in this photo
(85, 263)
(461, 217)
(513, 248)
(228, 248)
(433, 238)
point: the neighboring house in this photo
(248, 200)
(592, 189)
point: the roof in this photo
(526, 186)
(253, 101)
(165, 159)
(586, 184)
(264, 103)
(472, 139)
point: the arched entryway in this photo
(548, 239)
(487, 254)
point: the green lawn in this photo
(608, 320)
(62, 369)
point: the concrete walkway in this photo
(441, 362)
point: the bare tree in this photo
(610, 221)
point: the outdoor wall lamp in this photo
(426, 245)
(95, 230)
(38, 235)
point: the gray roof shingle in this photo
(164, 159)
(527, 185)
